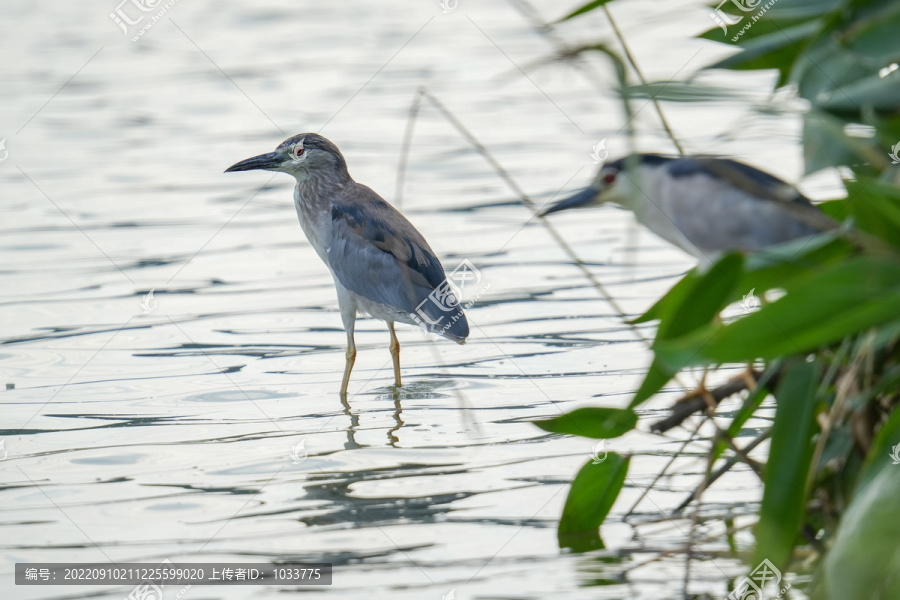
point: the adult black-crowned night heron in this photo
(381, 264)
(703, 205)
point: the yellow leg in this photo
(701, 392)
(395, 353)
(706, 394)
(749, 377)
(351, 358)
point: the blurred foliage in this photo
(827, 335)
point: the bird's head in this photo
(303, 156)
(610, 185)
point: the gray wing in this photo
(727, 205)
(376, 253)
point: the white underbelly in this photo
(654, 210)
(349, 300)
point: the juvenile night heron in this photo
(703, 205)
(381, 264)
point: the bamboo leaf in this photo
(784, 498)
(583, 9)
(875, 207)
(592, 495)
(843, 299)
(864, 562)
(594, 422)
(693, 303)
(885, 447)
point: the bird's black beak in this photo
(586, 197)
(265, 162)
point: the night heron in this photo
(381, 265)
(703, 205)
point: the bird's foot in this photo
(701, 391)
(749, 377)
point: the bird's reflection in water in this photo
(423, 390)
(351, 443)
(393, 440)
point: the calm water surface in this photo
(204, 425)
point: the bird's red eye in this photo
(609, 178)
(298, 150)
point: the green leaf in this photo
(592, 495)
(826, 144)
(836, 209)
(875, 207)
(772, 267)
(864, 562)
(887, 128)
(880, 93)
(839, 71)
(783, 265)
(825, 67)
(784, 497)
(776, 50)
(657, 376)
(595, 422)
(840, 300)
(747, 410)
(760, 28)
(804, 9)
(706, 298)
(672, 298)
(692, 303)
(681, 91)
(882, 450)
(583, 9)
(874, 34)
